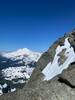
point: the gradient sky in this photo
(34, 24)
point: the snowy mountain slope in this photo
(22, 56)
(22, 53)
(54, 68)
(16, 68)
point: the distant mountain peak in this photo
(20, 53)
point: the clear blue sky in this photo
(34, 24)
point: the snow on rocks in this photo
(17, 72)
(14, 89)
(53, 68)
(1, 92)
(1, 87)
(19, 81)
(5, 85)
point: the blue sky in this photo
(34, 24)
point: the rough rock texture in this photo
(61, 87)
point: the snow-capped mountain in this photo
(16, 68)
(22, 53)
(18, 58)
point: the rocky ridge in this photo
(59, 87)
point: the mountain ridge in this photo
(59, 87)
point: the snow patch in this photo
(53, 69)
(5, 85)
(14, 89)
(1, 92)
(1, 87)
(17, 72)
(19, 81)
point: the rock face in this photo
(60, 87)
